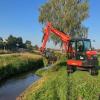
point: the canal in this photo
(13, 87)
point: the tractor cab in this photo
(81, 55)
(78, 48)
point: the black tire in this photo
(96, 72)
(74, 68)
(93, 71)
(70, 69)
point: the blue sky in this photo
(20, 18)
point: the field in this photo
(12, 64)
(55, 84)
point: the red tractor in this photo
(80, 53)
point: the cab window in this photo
(72, 46)
(80, 46)
(87, 45)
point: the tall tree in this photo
(66, 15)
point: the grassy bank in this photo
(51, 86)
(12, 64)
(55, 84)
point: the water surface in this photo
(12, 88)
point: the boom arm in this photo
(48, 29)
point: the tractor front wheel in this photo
(70, 69)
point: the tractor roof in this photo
(80, 39)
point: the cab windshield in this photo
(87, 45)
(83, 45)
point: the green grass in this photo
(52, 86)
(12, 64)
(55, 84)
(85, 86)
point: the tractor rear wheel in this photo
(93, 71)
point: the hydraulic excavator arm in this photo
(48, 30)
(79, 54)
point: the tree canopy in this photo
(66, 15)
(13, 43)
